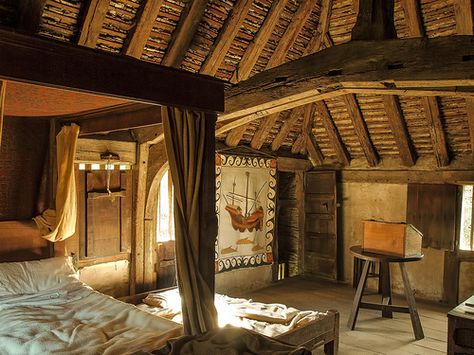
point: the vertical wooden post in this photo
(207, 210)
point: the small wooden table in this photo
(461, 328)
(386, 306)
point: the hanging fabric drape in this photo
(59, 224)
(184, 139)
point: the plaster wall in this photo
(110, 278)
(235, 282)
(387, 202)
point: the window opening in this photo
(165, 220)
(466, 240)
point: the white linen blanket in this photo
(267, 319)
(77, 320)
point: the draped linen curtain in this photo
(184, 140)
(60, 223)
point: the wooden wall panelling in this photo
(321, 224)
(431, 208)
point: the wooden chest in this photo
(398, 239)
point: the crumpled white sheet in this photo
(74, 319)
(267, 319)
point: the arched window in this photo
(165, 219)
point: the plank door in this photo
(320, 251)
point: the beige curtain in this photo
(184, 138)
(59, 224)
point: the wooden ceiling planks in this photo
(266, 125)
(433, 119)
(287, 126)
(141, 31)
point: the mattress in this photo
(68, 317)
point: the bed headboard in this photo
(21, 241)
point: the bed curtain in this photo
(185, 139)
(59, 224)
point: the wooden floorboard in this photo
(372, 334)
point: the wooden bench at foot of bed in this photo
(319, 332)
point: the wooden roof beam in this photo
(93, 20)
(251, 55)
(404, 67)
(399, 130)
(322, 30)
(413, 19)
(141, 31)
(117, 118)
(286, 127)
(278, 56)
(375, 20)
(470, 120)
(225, 37)
(51, 63)
(184, 33)
(463, 13)
(234, 136)
(334, 137)
(29, 15)
(291, 34)
(264, 128)
(433, 118)
(311, 145)
(360, 129)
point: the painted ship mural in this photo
(246, 213)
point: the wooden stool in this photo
(386, 306)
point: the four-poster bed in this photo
(189, 138)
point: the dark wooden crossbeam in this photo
(417, 66)
(117, 118)
(50, 63)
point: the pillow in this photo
(28, 277)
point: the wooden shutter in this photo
(320, 224)
(432, 209)
(107, 228)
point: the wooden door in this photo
(320, 224)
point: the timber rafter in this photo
(417, 67)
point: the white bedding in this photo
(68, 317)
(267, 319)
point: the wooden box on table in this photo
(400, 239)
